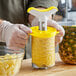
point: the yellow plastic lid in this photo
(43, 34)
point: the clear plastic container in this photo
(43, 47)
(10, 60)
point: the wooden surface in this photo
(27, 70)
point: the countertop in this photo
(27, 70)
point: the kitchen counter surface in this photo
(27, 70)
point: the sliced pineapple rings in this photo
(43, 51)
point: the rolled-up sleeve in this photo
(43, 3)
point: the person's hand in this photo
(54, 24)
(58, 37)
(15, 35)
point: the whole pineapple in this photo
(67, 49)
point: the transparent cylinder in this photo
(43, 52)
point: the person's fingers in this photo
(25, 29)
(54, 24)
(14, 43)
(20, 45)
(20, 40)
(58, 40)
(60, 34)
(20, 33)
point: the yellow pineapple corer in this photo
(43, 39)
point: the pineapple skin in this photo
(67, 48)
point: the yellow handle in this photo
(42, 10)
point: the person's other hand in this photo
(59, 37)
(54, 24)
(16, 35)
